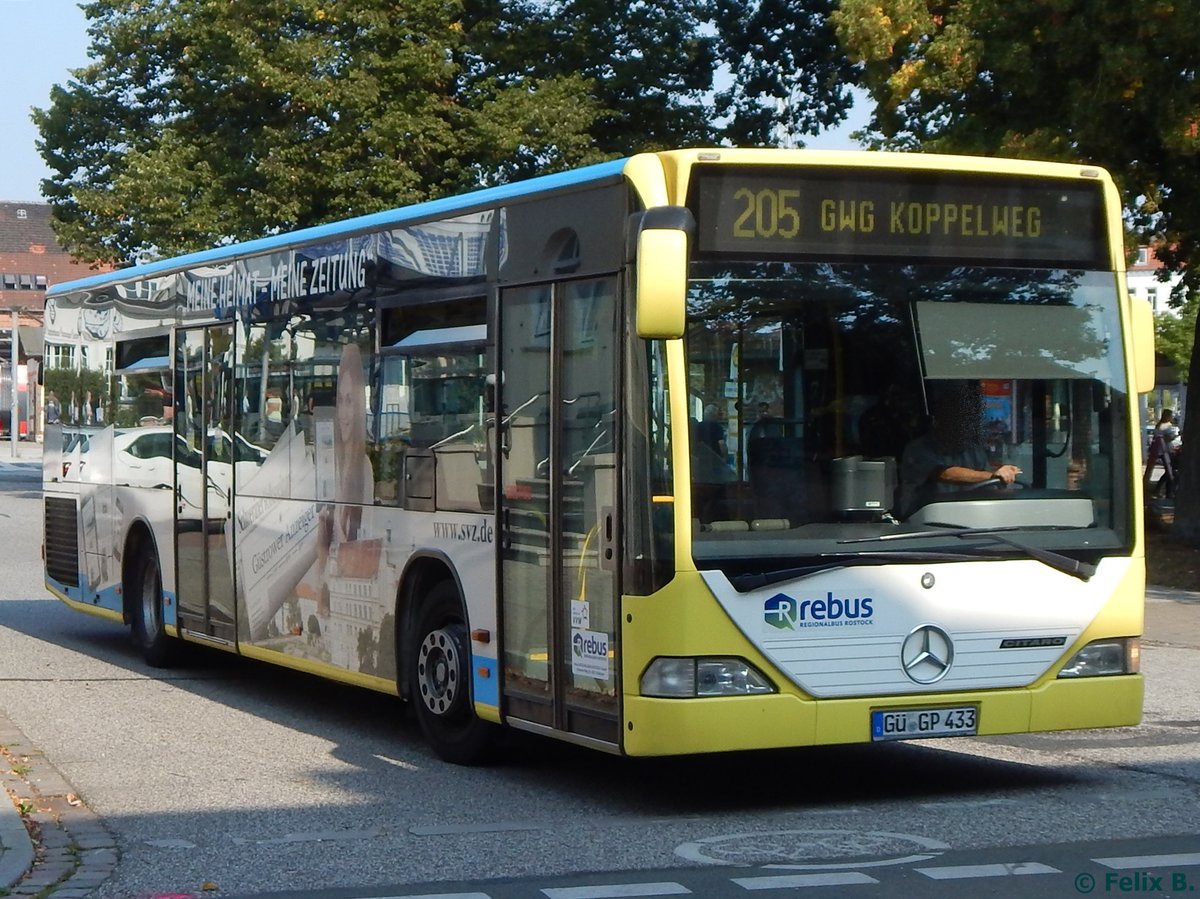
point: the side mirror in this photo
(1142, 318)
(663, 238)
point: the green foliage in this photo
(791, 76)
(644, 67)
(71, 386)
(200, 122)
(1175, 335)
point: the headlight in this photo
(676, 678)
(1103, 657)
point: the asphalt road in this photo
(253, 780)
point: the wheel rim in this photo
(438, 673)
(151, 611)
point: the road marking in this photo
(316, 836)
(448, 829)
(407, 766)
(437, 896)
(792, 881)
(963, 872)
(812, 850)
(1150, 861)
(618, 890)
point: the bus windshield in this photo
(833, 404)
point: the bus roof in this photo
(675, 165)
(403, 215)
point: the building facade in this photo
(1142, 279)
(30, 260)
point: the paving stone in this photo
(56, 838)
(94, 841)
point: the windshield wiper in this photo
(1057, 561)
(743, 583)
(1074, 567)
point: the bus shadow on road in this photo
(379, 743)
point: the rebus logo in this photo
(590, 644)
(780, 611)
(788, 613)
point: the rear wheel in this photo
(149, 631)
(440, 660)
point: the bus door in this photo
(557, 508)
(203, 482)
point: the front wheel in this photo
(149, 632)
(440, 677)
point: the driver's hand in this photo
(1007, 473)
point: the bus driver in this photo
(952, 453)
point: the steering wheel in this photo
(995, 481)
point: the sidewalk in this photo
(75, 853)
(1172, 618)
(28, 452)
(25, 467)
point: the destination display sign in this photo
(841, 214)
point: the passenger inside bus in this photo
(710, 468)
(887, 427)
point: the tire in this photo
(149, 632)
(440, 679)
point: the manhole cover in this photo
(812, 849)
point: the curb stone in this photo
(16, 847)
(71, 852)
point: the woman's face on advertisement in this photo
(346, 405)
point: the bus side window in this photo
(435, 398)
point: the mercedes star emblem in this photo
(927, 654)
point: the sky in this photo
(45, 39)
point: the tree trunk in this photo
(1187, 472)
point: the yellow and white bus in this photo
(690, 452)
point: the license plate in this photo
(912, 724)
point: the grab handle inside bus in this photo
(664, 235)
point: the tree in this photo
(648, 67)
(1114, 83)
(652, 66)
(790, 75)
(200, 122)
(1175, 336)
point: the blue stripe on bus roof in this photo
(317, 233)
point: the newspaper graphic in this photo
(276, 537)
